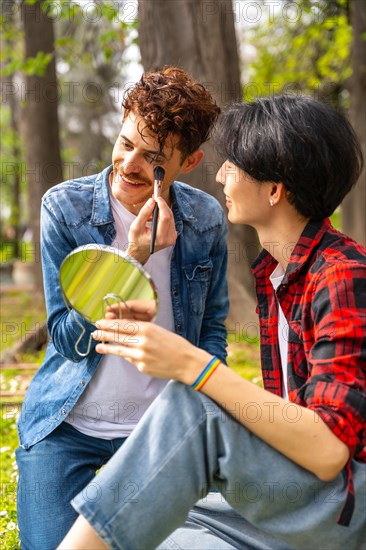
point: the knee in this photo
(185, 398)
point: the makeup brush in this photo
(159, 174)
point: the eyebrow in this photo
(155, 153)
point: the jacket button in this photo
(179, 327)
(63, 411)
(175, 292)
(82, 383)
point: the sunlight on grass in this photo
(8, 479)
(244, 359)
(21, 312)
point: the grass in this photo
(8, 481)
(20, 312)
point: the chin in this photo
(232, 218)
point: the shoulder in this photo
(198, 205)
(338, 271)
(338, 252)
(70, 188)
(71, 202)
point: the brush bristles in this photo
(159, 173)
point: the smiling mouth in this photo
(121, 177)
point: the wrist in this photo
(195, 362)
(138, 253)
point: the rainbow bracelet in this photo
(206, 373)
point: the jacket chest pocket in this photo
(198, 280)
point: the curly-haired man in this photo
(79, 410)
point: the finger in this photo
(110, 315)
(123, 326)
(117, 337)
(165, 212)
(144, 215)
(162, 204)
(143, 316)
(130, 354)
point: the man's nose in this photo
(131, 164)
(220, 175)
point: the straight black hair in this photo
(305, 144)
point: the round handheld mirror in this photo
(96, 279)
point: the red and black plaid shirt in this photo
(323, 297)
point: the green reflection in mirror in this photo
(94, 276)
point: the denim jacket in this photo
(78, 212)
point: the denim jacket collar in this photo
(182, 210)
(102, 212)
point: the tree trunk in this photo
(353, 208)
(42, 145)
(15, 205)
(35, 341)
(199, 36)
(13, 103)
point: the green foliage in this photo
(10, 140)
(336, 219)
(90, 39)
(69, 46)
(26, 251)
(308, 51)
(11, 163)
(36, 66)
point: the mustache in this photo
(131, 177)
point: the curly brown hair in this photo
(172, 103)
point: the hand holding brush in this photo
(159, 174)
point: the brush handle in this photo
(154, 228)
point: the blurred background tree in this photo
(354, 205)
(40, 124)
(200, 37)
(64, 68)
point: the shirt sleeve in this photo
(336, 387)
(64, 325)
(213, 331)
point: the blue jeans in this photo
(51, 473)
(186, 444)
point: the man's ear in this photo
(192, 161)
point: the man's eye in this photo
(155, 161)
(125, 144)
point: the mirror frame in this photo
(102, 248)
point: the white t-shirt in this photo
(118, 394)
(276, 279)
